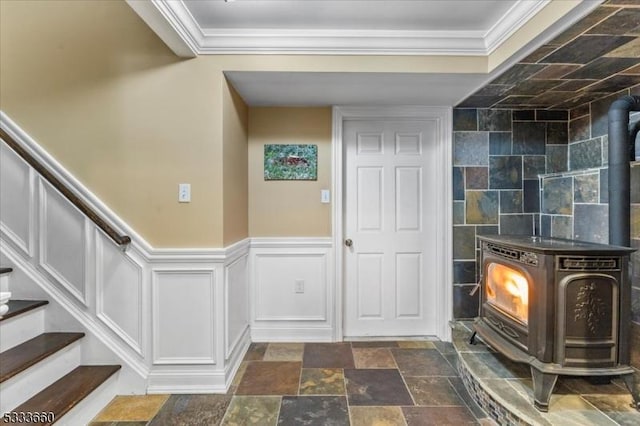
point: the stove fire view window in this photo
(508, 290)
(561, 306)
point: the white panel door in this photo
(390, 175)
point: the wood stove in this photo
(561, 306)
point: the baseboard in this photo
(232, 364)
(181, 381)
(291, 334)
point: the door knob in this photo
(348, 242)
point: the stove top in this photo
(554, 245)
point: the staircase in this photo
(41, 375)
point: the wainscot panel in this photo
(291, 289)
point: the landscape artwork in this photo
(291, 162)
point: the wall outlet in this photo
(299, 286)
(184, 193)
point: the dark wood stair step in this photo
(5, 270)
(67, 392)
(18, 307)
(17, 359)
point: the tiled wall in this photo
(497, 157)
(575, 203)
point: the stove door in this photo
(587, 320)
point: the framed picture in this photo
(291, 162)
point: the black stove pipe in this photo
(621, 152)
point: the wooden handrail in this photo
(121, 240)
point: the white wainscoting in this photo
(17, 211)
(63, 240)
(177, 320)
(236, 290)
(184, 324)
(280, 309)
(121, 290)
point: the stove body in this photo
(561, 306)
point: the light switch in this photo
(325, 196)
(184, 193)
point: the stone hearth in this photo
(505, 391)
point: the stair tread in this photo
(17, 307)
(67, 392)
(5, 270)
(19, 358)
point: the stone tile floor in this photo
(359, 383)
(375, 383)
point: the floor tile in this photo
(422, 362)
(438, 416)
(252, 410)
(238, 377)
(433, 391)
(270, 378)
(583, 386)
(378, 416)
(574, 410)
(284, 352)
(445, 348)
(376, 387)
(495, 366)
(322, 381)
(313, 410)
(617, 407)
(416, 344)
(373, 358)
(327, 355)
(125, 423)
(375, 344)
(189, 410)
(256, 352)
(132, 408)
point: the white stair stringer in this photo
(131, 362)
(92, 404)
(29, 382)
(21, 328)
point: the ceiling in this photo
(354, 27)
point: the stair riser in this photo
(23, 386)
(14, 331)
(89, 407)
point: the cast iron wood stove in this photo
(561, 306)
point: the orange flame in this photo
(509, 290)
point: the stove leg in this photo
(472, 339)
(543, 384)
(634, 389)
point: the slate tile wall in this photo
(498, 155)
(574, 203)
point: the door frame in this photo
(444, 292)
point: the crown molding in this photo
(511, 21)
(175, 25)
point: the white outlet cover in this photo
(325, 196)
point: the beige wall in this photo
(234, 160)
(289, 208)
(91, 83)
(98, 90)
